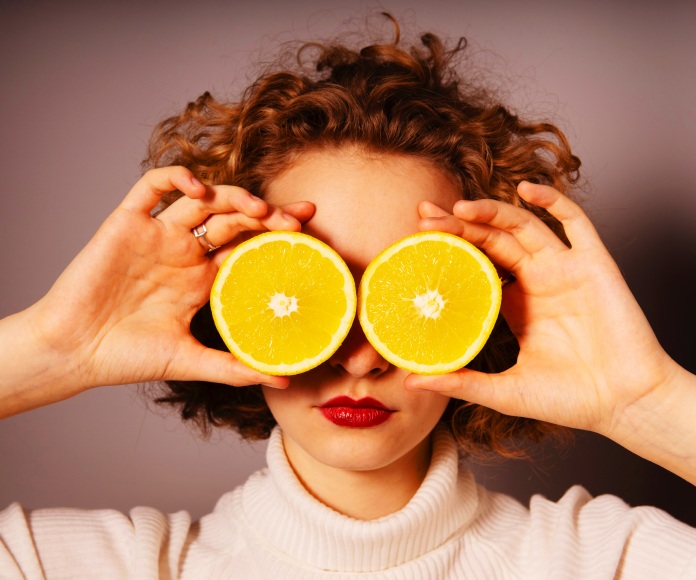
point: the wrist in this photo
(659, 426)
(37, 367)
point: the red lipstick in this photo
(347, 412)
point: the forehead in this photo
(364, 202)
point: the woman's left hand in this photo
(588, 357)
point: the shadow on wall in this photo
(658, 263)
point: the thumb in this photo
(494, 391)
(195, 362)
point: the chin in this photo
(360, 449)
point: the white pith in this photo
(283, 305)
(429, 304)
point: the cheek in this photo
(427, 404)
(281, 402)
(300, 396)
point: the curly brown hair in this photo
(384, 99)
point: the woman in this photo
(369, 147)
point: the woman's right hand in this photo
(120, 313)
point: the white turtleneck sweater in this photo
(270, 527)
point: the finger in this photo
(289, 217)
(490, 390)
(225, 227)
(428, 209)
(198, 363)
(188, 213)
(502, 248)
(302, 211)
(147, 192)
(576, 224)
(532, 233)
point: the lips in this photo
(361, 414)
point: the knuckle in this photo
(239, 222)
(150, 174)
(490, 239)
(487, 210)
(234, 191)
(520, 228)
(156, 175)
(176, 172)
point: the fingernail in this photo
(288, 217)
(255, 197)
(273, 386)
(196, 182)
(419, 383)
(411, 382)
(416, 388)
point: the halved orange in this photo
(429, 302)
(283, 302)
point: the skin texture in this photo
(120, 314)
(588, 357)
(363, 204)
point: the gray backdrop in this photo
(82, 85)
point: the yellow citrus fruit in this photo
(428, 303)
(283, 302)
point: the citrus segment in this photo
(428, 303)
(283, 302)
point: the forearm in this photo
(661, 427)
(32, 374)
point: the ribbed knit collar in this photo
(292, 523)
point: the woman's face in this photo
(364, 203)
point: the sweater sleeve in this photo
(584, 537)
(71, 543)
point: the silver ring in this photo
(199, 232)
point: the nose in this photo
(357, 357)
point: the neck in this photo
(363, 495)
